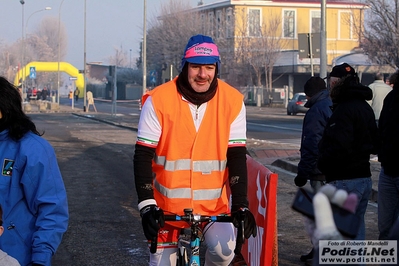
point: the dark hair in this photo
(13, 117)
(314, 85)
(393, 79)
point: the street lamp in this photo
(84, 63)
(59, 51)
(144, 48)
(24, 44)
(22, 47)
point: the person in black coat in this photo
(388, 182)
(351, 135)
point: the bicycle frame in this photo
(194, 220)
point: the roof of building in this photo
(304, 3)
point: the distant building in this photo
(226, 20)
(100, 82)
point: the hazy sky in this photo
(109, 24)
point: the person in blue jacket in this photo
(314, 122)
(32, 192)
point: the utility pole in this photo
(23, 52)
(144, 48)
(84, 63)
(323, 42)
(59, 52)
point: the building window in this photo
(254, 22)
(218, 24)
(315, 21)
(203, 21)
(345, 25)
(210, 23)
(229, 22)
(289, 23)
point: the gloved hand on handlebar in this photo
(243, 214)
(152, 219)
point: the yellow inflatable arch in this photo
(53, 67)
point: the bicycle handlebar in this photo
(193, 218)
(198, 218)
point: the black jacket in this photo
(351, 133)
(388, 126)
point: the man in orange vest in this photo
(192, 138)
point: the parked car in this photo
(297, 104)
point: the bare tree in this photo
(177, 22)
(42, 45)
(381, 32)
(258, 45)
(120, 58)
(10, 59)
(168, 33)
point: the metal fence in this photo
(259, 96)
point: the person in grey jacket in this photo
(380, 89)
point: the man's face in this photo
(200, 76)
(333, 81)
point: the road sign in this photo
(32, 72)
(307, 42)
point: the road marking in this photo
(263, 125)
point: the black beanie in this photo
(314, 85)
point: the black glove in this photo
(35, 264)
(243, 214)
(300, 181)
(152, 219)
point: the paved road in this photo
(96, 162)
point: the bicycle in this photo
(192, 240)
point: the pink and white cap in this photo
(202, 50)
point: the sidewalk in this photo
(283, 156)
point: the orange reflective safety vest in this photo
(190, 166)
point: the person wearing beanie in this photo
(350, 137)
(314, 122)
(191, 143)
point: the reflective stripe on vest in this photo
(181, 193)
(204, 167)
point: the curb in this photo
(286, 165)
